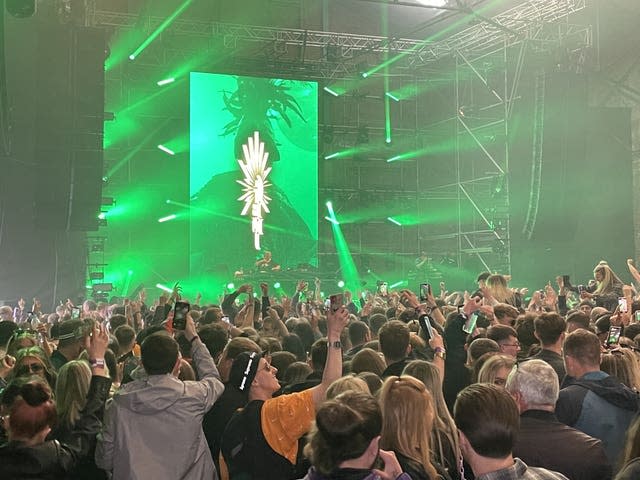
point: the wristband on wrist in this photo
(96, 362)
(191, 341)
(336, 344)
(440, 352)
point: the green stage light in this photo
(392, 96)
(394, 221)
(160, 29)
(343, 153)
(341, 284)
(332, 92)
(164, 288)
(387, 108)
(166, 150)
(230, 286)
(452, 27)
(332, 220)
(133, 152)
(398, 284)
(102, 215)
(130, 272)
(276, 285)
(166, 81)
(167, 218)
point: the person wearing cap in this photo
(72, 335)
(153, 426)
(261, 441)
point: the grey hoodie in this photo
(153, 425)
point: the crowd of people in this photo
(490, 384)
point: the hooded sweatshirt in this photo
(153, 425)
(599, 405)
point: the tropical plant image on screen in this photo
(253, 172)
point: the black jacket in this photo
(545, 442)
(456, 374)
(553, 359)
(54, 459)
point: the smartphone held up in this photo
(180, 312)
(613, 338)
(336, 301)
(425, 291)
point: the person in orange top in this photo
(261, 441)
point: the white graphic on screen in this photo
(255, 184)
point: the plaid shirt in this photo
(520, 471)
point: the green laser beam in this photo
(427, 40)
(161, 28)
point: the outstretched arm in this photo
(336, 322)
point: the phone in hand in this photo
(425, 324)
(425, 291)
(336, 301)
(470, 325)
(623, 307)
(581, 288)
(565, 280)
(226, 320)
(614, 335)
(180, 311)
(382, 289)
(636, 316)
(75, 313)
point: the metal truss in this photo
(526, 21)
(510, 26)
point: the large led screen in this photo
(253, 172)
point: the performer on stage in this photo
(422, 261)
(267, 263)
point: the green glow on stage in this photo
(166, 150)
(332, 92)
(347, 265)
(392, 96)
(164, 288)
(161, 28)
(167, 218)
(436, 36)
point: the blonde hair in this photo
(444, 430)
(407, 420)
(623, 365)
(347, 383)
(72, 388)
(497, 284)
(489, 370)
(609, 279)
